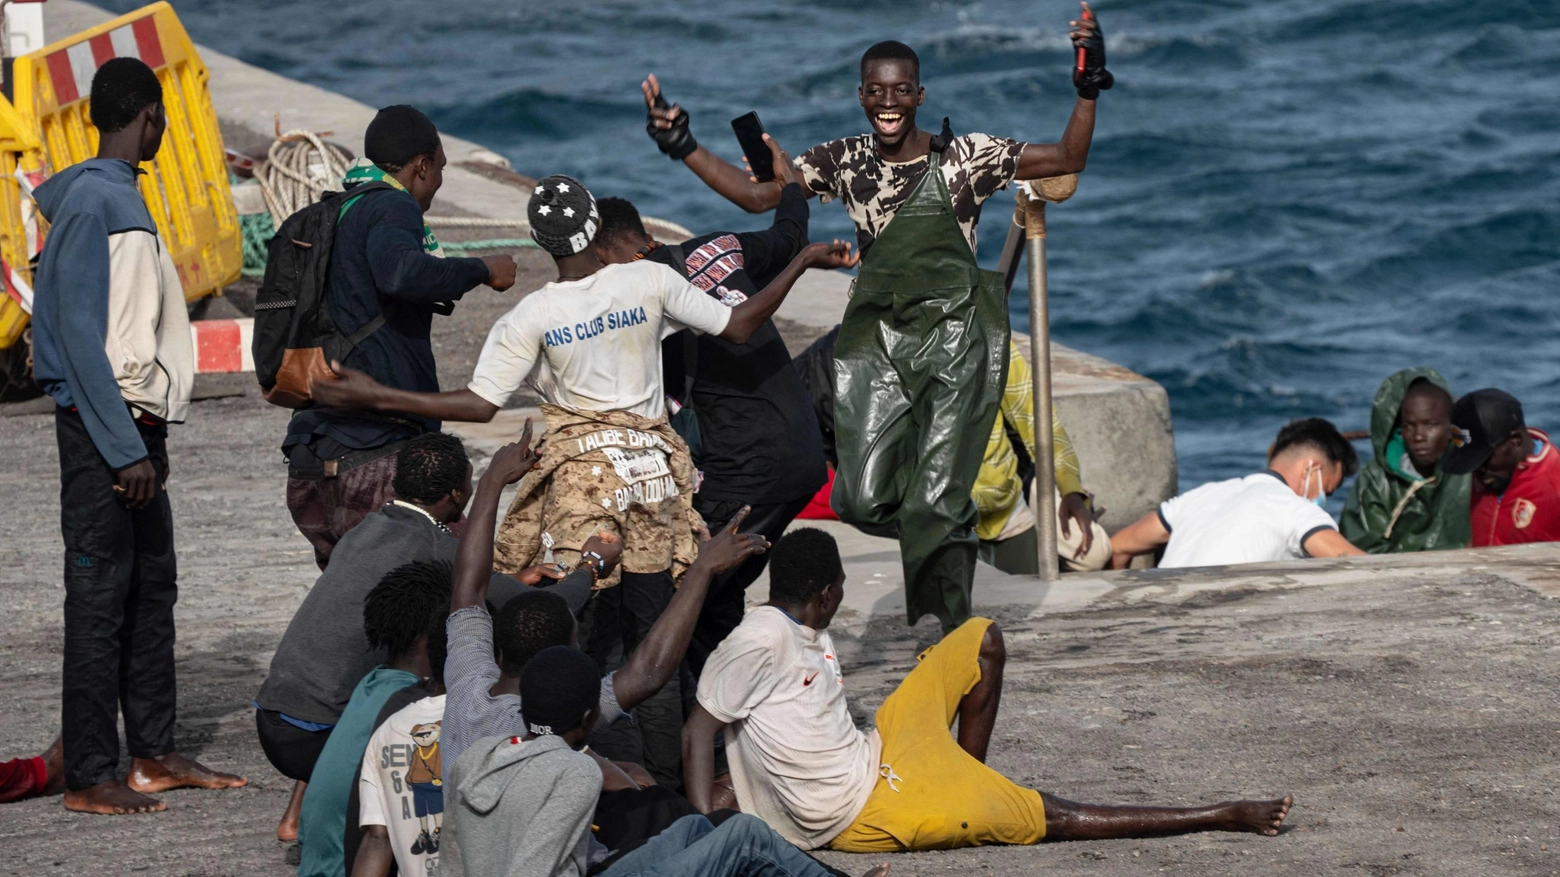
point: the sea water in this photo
(1286, 201)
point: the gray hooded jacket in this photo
(519, 809)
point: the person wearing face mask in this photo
(1516, 472)
(1403, 499)
(1272, 515)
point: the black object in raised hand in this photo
(1089, 75)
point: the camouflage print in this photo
(326, 508)
(604, 471)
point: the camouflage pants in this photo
(326, 508)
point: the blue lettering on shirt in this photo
(595, 326)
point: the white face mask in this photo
(1321, 494)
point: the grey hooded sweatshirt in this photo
(519, 809)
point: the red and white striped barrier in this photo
(71, 69)
(222, 346)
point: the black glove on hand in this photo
(1094, 78)
(677, 141)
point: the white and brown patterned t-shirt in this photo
(975, 166)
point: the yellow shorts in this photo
(934, 795)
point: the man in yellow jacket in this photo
(1006, 528)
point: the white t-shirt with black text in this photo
(599, 339)
(1255, 519)
(401, 785)
(797, 760)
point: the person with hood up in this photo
(1403, 499)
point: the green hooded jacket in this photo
(1389, 511)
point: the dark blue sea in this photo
(1286, 200)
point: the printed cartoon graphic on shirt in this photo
(710, 265)
(420, 789)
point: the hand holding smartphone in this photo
(750, 134)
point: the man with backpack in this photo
(384, 280)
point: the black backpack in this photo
(295, 339)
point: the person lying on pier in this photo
(1273, 515)
(1516, 470)
(523, 804)
(1403, 500)
(925, 328)
(386, 266)
(775, 688)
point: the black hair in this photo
(530, 622)
(1314, 432)
(1425, 385)
(121, 89)
(429, 466)
(620, 219)
(412, 600)
(802, 564)
(397, 136)
(890, 50)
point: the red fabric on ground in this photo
(819, 509)
(22, 778)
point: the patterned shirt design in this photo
(850, 169)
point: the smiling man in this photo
(922, 351)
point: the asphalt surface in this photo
(1411, 712)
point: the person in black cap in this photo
(1516, 472)
(385, 265)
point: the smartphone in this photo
(750, 134)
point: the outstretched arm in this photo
(663, 648)
(732, 182)
(698, 752)
(1142, 536)
(354, 389)
(749, 316)
(1071, 154)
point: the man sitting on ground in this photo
(1273, 515)
(775, 689)
(1403, 500)
(521, 805)
(324, 653)
(1516, 471)
(484, 696)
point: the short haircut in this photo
(530, 622)
(412, 600)
(1421, 386)
(802, 564)
(619, 219)
(121, 89)
(1320, 435)
(429, 466)
(397, 135)
(890, 50)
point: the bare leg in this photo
(978, 709)
(174, 771)
(287, 829)
(1065, 820)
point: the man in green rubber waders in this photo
(922, 353)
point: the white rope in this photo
(476, 222)
(299, 166)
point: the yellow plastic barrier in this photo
(186, 186)
(18, 139)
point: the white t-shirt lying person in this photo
(599, 339)
(1254, 519)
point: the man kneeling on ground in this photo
(775, 688)
(1273, 515)
(522, 805)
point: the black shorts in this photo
(289, 748)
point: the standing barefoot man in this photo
(922, 353)
(112, 346)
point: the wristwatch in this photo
(597, 564)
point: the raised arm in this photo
(474, 558)
(668, 125)
(1142, 536)
(663, 648)
(698, 753)
(1071, 154)
(747, 317)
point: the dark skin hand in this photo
(890, 94)
(354, 389)
(137, 485)
(1074, 512)
(1426, 420)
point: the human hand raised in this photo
(667, 124)
(728, 548)
(1089, 75)
(784, 170)
(831, 255)
(513, 460)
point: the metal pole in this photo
(1040, 365)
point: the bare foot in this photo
(54, 764)
(1260, 817)
(878, 871)
(112, 798)
(174, 771)
(287, 829)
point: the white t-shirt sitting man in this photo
(1272, 515)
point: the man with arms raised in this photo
(923, 347)
(775, 688)
(1273, 515)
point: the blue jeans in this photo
(743, 846)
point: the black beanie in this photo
(557, 688)
(399, 134)
(563, 215)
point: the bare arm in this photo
(661, 652)
(374, 857)
(474, 558)
(1069, 156)
(354, 389)
(698, 752)
(1330, 543)
(749, 316)
(731, 182)
(1142, 536)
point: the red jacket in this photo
(1529, 510)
